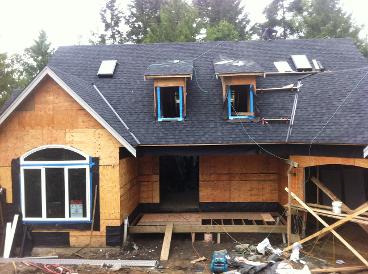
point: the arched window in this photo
(55, 185)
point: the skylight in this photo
(301, 62)
(283, 66)
(107, 68)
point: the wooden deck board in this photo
(196, 218)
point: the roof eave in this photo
(146, 77)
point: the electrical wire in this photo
(338, 108)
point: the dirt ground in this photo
(323, 252)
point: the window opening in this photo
(169, 103)
(240, 101)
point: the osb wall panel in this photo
(248, 178)
(129, 187)
(50, 116)
(148, 178)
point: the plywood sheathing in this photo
(238, 178)
(51, 116)
(129, 187)
(237, 80)
(148, 178)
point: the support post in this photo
(288, 221)
(167, 242)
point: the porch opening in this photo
(179, 182)
(348, 183)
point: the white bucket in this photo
(336, 207)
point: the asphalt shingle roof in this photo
(225, 65)
(205, 123)
(170, 67)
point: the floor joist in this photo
(178, 228)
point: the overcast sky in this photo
(69, 22)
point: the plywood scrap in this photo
(167, 242)
(9, 238)
(335, 225)
(338, 236)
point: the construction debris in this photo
(122, 263)
(201, 259)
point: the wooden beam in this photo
(339, 269)
(338, 236)
(333, 197)
(208, 229)
(335, 225)
(167, 242)
(288, 225)
(330, 214)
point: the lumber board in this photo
(335, 225)
(209, 229)
(339, 269)
(167, 242)
(196, 218)
(332, 215)
(338, 236)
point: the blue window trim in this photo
(159, 114)
(251, 105)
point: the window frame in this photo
(250, 103)
(66, 165)
(158, 102)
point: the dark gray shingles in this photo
(228, 65)
(132, 97)
(170, 67)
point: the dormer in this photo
(239, 85)
(170, 88)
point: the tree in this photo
(212, 12)
(111, 17)
(282, 16)
(143, 14)
(326, 19)
(223, 31)
(7, 77)
(36, 57)
(177, 23)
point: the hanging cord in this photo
(337, 110)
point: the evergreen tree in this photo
(36, 57)
(326, 19)
(143, 14)
(111, 17)
(223, 31)
(177, 23)
(7, 77)
(282, 16)
(212, 12)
